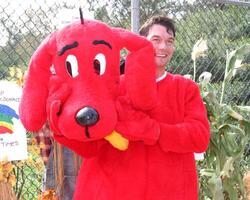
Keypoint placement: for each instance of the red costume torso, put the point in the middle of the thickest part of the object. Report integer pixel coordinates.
(163, 171)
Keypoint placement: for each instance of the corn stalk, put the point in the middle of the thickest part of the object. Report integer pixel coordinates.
(221, 171)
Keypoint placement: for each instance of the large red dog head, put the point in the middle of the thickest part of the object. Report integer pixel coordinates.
(74, 73)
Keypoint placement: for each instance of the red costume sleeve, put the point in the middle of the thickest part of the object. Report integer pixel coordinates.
(189, 135)
(135, 124)
(192, 135)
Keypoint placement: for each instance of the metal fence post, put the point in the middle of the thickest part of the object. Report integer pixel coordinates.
(135, 16)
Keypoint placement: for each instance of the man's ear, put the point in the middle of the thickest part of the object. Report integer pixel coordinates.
(32, 108)
(140, 69)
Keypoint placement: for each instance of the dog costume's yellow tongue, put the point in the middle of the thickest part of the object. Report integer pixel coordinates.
(117, 141)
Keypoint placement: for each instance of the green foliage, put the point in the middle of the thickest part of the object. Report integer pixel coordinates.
(234, 63)
(115, 13)
(223, 29)
(232, 91)
(222, 170)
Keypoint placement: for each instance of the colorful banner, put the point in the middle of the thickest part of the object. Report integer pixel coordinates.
(13, 142)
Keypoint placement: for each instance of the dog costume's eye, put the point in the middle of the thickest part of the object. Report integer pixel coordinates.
(100, 64)
(72, 65)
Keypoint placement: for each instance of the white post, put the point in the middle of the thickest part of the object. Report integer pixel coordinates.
(135, 16)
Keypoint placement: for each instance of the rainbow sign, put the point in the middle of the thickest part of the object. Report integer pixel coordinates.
(13, 141)
(6, 119)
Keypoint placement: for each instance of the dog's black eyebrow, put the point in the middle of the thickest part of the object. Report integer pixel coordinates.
(96, 42)
(67, 47)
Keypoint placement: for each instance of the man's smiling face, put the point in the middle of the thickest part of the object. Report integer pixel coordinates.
(163, 42)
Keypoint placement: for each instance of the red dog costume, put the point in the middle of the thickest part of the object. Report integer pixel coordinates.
(75, 75)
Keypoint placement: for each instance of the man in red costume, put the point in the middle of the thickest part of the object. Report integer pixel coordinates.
(159, 163)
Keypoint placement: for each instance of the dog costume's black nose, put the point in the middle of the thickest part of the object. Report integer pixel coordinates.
(87, 116)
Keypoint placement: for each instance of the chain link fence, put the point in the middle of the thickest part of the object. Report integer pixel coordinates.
(224, 24)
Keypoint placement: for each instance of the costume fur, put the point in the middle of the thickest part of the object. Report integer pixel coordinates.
(73, 81)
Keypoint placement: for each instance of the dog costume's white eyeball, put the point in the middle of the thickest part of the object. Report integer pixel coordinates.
(100, 64)
(72, 65)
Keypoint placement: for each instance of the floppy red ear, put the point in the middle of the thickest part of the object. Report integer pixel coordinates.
(140, 69)
(32, 108)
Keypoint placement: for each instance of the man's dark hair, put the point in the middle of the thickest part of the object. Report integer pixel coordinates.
(167, 22)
